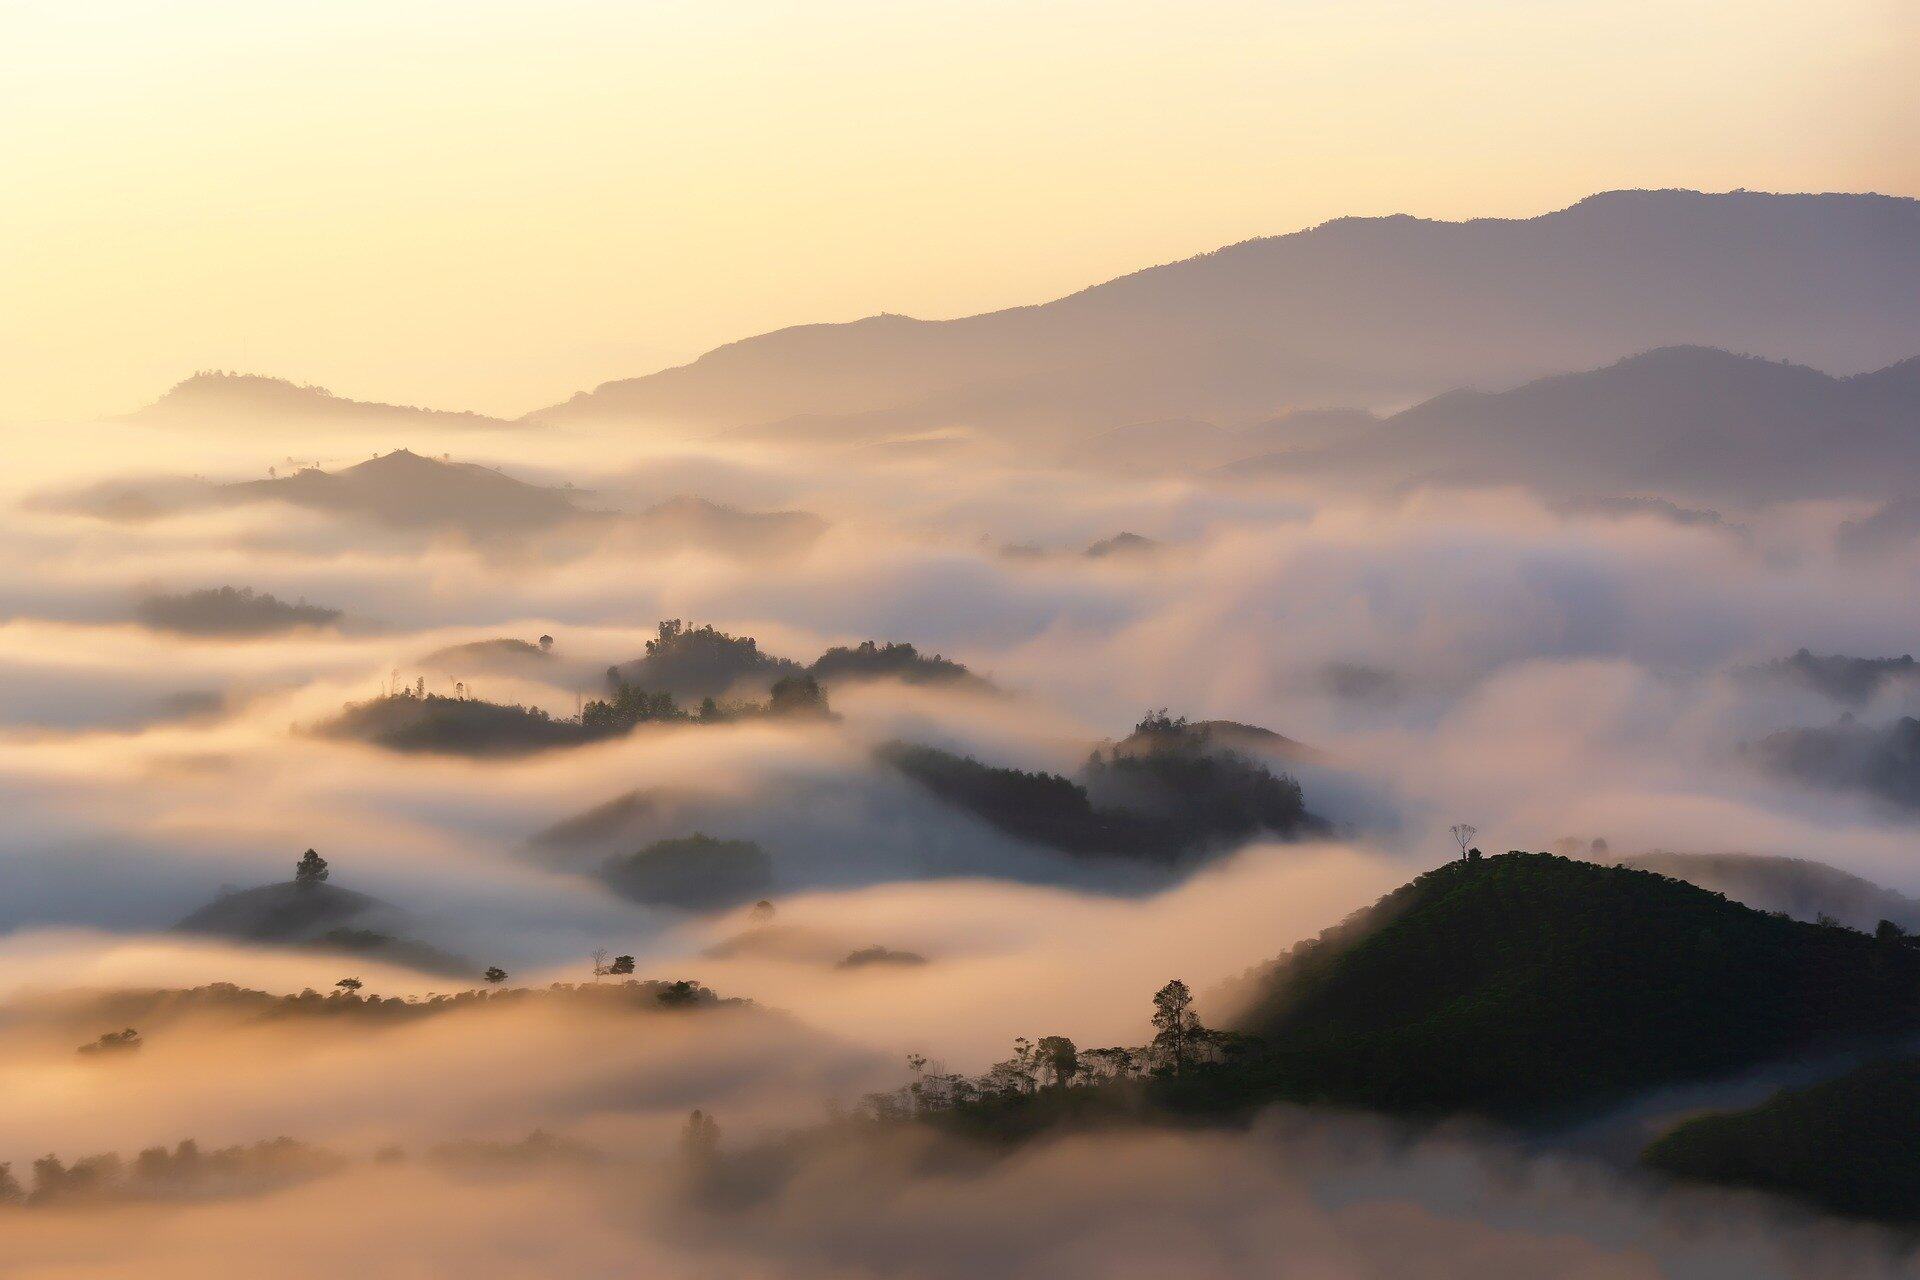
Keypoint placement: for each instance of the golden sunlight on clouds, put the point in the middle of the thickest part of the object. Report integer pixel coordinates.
(494, 205)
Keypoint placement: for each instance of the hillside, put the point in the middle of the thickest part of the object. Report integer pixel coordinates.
(322, 917)
(249, 400)
(1375, 312)
(1689, 420)
(1804, 889)
(1850, 1146)
(1529, 986)
(1879, 761)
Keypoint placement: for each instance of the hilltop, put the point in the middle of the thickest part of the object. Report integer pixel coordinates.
(403, 488)
(1531, 985)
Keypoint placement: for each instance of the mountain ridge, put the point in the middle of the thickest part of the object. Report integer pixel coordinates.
(1376, 311)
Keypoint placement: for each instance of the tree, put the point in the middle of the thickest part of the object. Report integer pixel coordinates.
(621, 964)
(10, 1190)
(599, 961)
(1059, 1060)
(349, 985)
(796, 696)
(546, 643)
(761, 913)
(1176, 1027)
(1463, 834)
(311, 870)
(496, 975)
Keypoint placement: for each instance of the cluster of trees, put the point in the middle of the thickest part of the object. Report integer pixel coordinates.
(702, 662)
(348, 1000)
(1041, 1069)
(112, 1044)
(891, 661)
(1170, 797)
(630, 706)
(159, 1173)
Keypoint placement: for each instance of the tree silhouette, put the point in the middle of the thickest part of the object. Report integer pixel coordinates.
(546, 643)
(311, 870)
(1059, 1060)
(621, 964)
(349, 985)
(496, 975)
(1176, 1027)
(1463, 834)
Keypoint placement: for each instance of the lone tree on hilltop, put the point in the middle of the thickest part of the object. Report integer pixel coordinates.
(1463, 834)
(621, 964)
(310, 870)
(349, 985)
(496, 975)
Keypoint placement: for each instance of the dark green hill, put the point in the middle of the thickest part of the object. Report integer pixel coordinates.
(1530, 986)
(1850, 1145)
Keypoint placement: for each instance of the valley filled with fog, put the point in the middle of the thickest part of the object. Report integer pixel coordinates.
(750, 746)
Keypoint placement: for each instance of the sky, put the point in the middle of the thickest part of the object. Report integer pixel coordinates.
(492, 205)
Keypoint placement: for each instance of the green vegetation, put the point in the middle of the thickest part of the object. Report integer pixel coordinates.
(693, 873)
(1851, 1145)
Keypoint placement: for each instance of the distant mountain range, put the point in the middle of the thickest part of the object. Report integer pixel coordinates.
(403, 489)
(1690, 421)
(1373, 312)
(249, 400)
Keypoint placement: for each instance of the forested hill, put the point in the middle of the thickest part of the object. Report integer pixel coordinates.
(1528, 985)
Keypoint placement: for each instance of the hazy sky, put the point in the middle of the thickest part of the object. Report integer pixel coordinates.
(491, 205)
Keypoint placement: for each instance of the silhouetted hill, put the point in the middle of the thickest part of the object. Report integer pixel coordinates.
(1529, 985)
(1801, 888)
(1163, 803)
(285, 912)
(1850, 1146)
(324, 917)
(231, 611)
(1212, 735)
(439, 725)
(248, 400)
(692, 663)
(1122, 545)
(692, 873)
(1878, 760)
(1679, 420)
(1854, 681)
(892, 661)
(402, 488)
(1358, 311)
(501, 656)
